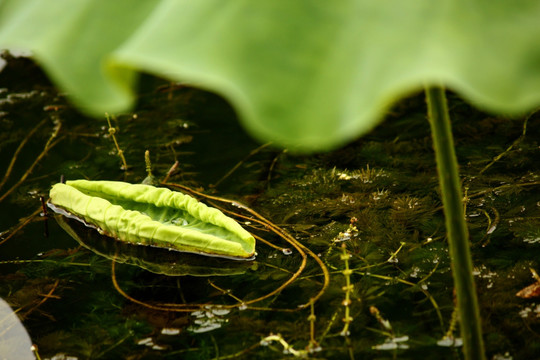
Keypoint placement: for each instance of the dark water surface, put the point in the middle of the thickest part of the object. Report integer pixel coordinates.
(76, 302)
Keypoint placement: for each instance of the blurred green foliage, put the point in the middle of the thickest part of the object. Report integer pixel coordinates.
(308, 75)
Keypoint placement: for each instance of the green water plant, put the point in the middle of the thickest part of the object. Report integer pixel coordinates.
(146, 215)
(348, 288)
(308, 75)
(120, 152)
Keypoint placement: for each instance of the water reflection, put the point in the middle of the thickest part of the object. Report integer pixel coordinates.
(158, 261)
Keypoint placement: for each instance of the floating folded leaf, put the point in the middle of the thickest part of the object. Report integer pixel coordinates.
(147, 215)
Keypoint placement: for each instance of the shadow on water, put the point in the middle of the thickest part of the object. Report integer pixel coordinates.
(372, 207)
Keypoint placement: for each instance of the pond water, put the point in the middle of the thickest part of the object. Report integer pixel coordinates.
(372, 207)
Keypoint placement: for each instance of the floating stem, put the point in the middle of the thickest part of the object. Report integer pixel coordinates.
(287, 348)
(456, 227)
(51, 142)
(17, 152)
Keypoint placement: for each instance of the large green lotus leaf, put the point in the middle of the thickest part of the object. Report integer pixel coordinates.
(72, 39)
(308, 74)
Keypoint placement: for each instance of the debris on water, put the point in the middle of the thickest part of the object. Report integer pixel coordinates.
(145, 341)
(533, 308)
(207, 320)
(532, 290)
(286, 251)
(170, 331)
(393, 343)
(343, 236)
(220, 312)
(415, 271)
(449, 341)
(531, 239)
(505, 356)
(263, 342)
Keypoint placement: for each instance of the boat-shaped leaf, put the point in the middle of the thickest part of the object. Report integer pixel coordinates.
(147, 215)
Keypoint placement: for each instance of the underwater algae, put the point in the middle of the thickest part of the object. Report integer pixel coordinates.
(146, 215)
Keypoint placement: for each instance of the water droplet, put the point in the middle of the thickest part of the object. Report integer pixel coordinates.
(179, 222)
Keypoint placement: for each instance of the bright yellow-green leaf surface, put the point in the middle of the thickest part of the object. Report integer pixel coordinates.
(147, 215)
(307, 74)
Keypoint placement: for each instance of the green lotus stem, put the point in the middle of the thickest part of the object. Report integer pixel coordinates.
(458, 239)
